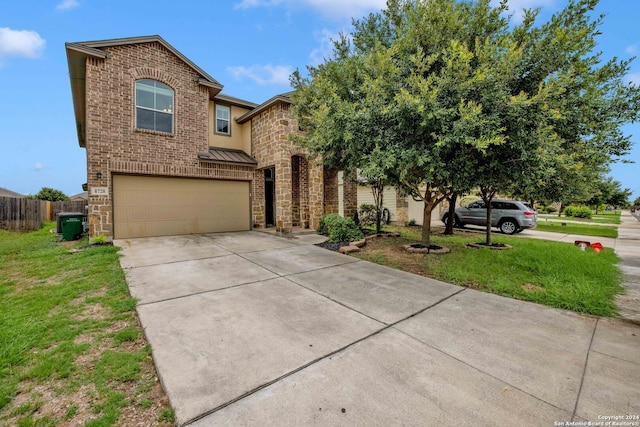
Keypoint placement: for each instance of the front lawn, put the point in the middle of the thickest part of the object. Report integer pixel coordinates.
(551, 273)
(71, 349)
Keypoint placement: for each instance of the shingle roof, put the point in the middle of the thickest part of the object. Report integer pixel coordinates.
(283, 97)
(77, 54)
(227, 155)
(8, 193)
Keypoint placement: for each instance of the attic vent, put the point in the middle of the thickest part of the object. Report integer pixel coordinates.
(285, 107)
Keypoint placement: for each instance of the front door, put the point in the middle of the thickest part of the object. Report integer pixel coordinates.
(269, 196)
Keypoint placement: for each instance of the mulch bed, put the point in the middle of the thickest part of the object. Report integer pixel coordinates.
(332, 246)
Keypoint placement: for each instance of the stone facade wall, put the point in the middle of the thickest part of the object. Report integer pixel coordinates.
(270, 132)
(113, 143)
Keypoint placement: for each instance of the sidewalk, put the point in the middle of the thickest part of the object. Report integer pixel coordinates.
(628, 249)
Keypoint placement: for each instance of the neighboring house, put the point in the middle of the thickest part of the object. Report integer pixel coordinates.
(80, 197)
(168, 153)
(8, 193)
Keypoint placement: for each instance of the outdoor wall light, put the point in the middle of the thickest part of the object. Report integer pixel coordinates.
(99, 175)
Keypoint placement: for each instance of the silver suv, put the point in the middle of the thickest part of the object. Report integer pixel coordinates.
(510, 216)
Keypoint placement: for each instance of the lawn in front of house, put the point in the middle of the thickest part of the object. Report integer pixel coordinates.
(71, 348)
(550, 273)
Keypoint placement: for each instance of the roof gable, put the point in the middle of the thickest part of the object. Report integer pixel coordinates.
(78, 52)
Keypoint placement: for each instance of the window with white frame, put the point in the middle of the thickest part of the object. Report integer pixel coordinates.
(154, 106)
(223, 119)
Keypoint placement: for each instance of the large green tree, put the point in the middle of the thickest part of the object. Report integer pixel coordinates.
(404, 95)
(590, 100)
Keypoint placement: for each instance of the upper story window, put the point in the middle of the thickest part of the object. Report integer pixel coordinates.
(223, 119)
(154, 106)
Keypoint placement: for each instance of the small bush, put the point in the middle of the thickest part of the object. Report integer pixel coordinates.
(412, 222)
(577, 211)
(322, 226)
(582, 212)
(339, 229)
(550, 209)
(367, 215)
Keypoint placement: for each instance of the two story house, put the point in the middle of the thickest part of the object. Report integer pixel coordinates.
(169, 153)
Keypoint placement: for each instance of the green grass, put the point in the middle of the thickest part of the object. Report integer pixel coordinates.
(550, 273)
(56, 311)
(577, 228)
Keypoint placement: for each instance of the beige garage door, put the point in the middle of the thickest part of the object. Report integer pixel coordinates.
(152, 206)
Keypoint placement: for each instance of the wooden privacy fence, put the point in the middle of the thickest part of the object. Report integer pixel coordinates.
(28, 214)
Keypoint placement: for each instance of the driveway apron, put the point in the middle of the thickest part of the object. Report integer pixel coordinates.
(251, 329)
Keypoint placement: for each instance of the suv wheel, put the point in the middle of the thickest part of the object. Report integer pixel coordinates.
(456, 221)
(509, 226)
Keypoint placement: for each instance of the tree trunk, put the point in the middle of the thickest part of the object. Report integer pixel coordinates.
(561, 209)
(451, 214)
(426, 225)
(378, 193)
(488, 231)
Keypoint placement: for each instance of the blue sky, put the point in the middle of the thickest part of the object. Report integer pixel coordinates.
(250, 46)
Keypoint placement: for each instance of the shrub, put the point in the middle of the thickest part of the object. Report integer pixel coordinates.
(339, 229)
(356, 219)
(412, 222)
(582, 212)
(367, 214)
(578, 211)
(550, 209)
(322, 226)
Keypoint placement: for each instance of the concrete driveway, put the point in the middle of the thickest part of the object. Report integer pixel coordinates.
(251, 329)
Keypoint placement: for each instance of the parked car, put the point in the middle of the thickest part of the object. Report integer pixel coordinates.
(510, 216)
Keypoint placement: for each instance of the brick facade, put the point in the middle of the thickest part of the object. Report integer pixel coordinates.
(350, 196)
(113, 143)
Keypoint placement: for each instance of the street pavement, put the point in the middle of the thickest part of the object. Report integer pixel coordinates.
(252, 329)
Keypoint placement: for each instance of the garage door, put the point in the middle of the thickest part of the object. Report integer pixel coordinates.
(152, 206)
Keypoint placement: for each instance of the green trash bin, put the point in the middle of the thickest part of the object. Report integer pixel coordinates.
(71, 224)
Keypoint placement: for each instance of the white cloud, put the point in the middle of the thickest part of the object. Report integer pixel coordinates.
(631, 49)
(67, 4)
(38, 166)
(331, 8)
(633, 78)
(23, 43)
(516, 7)
(325, 46)
(263, 74)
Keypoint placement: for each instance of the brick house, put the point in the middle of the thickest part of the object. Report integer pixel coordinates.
(168, 153)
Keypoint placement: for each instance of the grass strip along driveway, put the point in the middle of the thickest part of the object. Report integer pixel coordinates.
(71, 348)
(550, 273)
